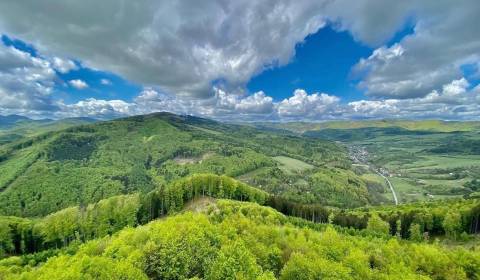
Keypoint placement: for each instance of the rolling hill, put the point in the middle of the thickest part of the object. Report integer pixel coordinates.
(86, 163)
(411, 125)
(14, 127)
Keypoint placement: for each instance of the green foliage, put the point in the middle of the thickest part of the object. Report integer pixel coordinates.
(340, 188)
(6, 242)
(86, 267)
(434, 218)
(172, 198)
(78, 224)
(71, 147)
(301, 267)
(234, 261)
(61, 228)
(229, 241)
(452, 223)
(474, 185)
(377, 226)
(416, 232)
(113, 177)
(458, 145)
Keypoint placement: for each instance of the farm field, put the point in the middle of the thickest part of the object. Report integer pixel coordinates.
(421, 164)
(424, 176)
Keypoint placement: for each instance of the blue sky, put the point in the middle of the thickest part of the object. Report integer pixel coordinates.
(321, 64)
(319, 61)
(114, 86)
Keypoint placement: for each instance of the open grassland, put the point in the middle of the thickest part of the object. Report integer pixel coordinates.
(291, 165)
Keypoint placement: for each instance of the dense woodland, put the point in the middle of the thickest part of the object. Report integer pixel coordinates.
(81, 223)
(234, 240)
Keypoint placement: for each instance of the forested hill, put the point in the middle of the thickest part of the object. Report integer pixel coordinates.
(86, 163)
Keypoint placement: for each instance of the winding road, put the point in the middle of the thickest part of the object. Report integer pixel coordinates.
(389, 185)
(354, 152)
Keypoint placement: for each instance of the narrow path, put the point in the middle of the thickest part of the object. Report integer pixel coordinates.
(389, 185)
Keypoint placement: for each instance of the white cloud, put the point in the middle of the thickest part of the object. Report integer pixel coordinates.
(26, 82)
(445, 37)
(456, 87)
(97, 108)
(105, 82)
(178, 50)
(454, 101)
(179, 46)
(302, 105)
(221, 105)
(371, 21)
(258, 103)
(63, 65)
(78, 84)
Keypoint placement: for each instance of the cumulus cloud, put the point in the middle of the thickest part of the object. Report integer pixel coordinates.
(258, 103)
(302, 105)
(97, 108)
(445, 37)
(25, 81)
(63, 65)
(454, 101)
(180, 46)
(220, 106)
(78, 84)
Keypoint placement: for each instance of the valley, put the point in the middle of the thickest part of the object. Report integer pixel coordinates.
(436, 163)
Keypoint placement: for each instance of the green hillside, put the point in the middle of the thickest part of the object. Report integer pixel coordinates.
(86, 163)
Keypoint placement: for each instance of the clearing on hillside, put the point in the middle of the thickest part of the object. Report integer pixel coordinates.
(291, 165)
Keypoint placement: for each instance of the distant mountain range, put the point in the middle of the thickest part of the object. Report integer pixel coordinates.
(15, 127)
(411, 125)
(12, 121)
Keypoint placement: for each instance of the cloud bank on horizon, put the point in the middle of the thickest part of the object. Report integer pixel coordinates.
(197, 58)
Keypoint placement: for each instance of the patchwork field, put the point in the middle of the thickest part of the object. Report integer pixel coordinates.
(421, 164)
